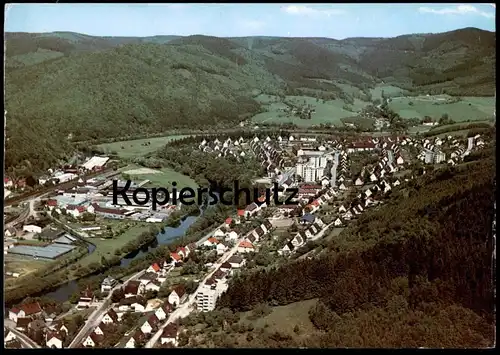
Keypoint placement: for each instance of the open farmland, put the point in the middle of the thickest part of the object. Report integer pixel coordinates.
(164, 178)
(474, 108)
(328, 112)
(138, 147)
(389, 91)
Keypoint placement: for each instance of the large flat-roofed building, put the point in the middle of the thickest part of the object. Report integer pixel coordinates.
(51, 251)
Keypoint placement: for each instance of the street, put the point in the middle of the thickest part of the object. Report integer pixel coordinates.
(185, 309)
(96, 316)
(24, 339)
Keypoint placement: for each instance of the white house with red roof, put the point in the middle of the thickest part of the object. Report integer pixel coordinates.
(211, 242)
(245, 247)
(154, 268)
(176, 258)
(26, 310)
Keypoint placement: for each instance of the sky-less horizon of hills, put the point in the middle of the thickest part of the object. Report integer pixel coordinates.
(65, 83)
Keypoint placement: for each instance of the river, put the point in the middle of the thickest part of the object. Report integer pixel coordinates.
(64, 292)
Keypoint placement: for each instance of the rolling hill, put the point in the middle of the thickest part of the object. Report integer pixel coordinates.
(61, 84)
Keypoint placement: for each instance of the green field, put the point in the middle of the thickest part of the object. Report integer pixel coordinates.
(107, 247)
(476, 108)
(135, 148)
(23, 265)
(389, 91)
(285, 318)
(164, 178)
(329, 112)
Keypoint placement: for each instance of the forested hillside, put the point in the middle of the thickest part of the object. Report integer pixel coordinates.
(417, 272)
(87, 87)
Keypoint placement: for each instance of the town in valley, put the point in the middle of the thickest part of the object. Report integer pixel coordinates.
(391, 236)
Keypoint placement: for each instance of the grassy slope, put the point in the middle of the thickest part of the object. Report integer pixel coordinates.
(135, 148)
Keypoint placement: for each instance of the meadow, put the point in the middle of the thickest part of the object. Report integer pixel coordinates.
(328, 112)
(136, 148)
(469, 108)
(164, 177)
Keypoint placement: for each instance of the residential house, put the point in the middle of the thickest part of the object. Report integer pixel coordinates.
(125, 304)
(133, 288)
(258, 233)
(182, 252)
(267, 226)
(221, 248)
(23, 323)
(177, 296)
(358, 182)
(287, 249)
(137, 338)
(338, 222)
(60, 327)
(228, 222)
(92, 340)
(298, 240)
(169, 334)
(163, 311)
(29, 310)
(13, 344)
(147, 278)
(153, 286)
(110, 317)
(176, 258)
(251, 209)
(211, 242)
(231, 236)
(150, 324)
(245, 247)
(155, 268)
(10, 232)
(30, 228)
(140, 304)
(86, 298)
(225, 267)
(54, 340)
(108, 284)
(100, 329)
(8, 335)
(236, 261)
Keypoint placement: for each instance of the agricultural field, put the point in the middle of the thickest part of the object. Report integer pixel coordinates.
(161, 178)
(389, 91)
(328, 112)
(137, 148)
(469, 108)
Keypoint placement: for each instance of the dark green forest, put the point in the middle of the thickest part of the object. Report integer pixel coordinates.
(416, 272)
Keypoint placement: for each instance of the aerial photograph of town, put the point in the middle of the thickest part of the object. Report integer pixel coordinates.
(249, 176)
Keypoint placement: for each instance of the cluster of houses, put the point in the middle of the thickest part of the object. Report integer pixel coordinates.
(39, 324)
(134, 300)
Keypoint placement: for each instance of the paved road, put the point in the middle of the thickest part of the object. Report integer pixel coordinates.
(185, 309)
(23, 338)
(95, 318)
